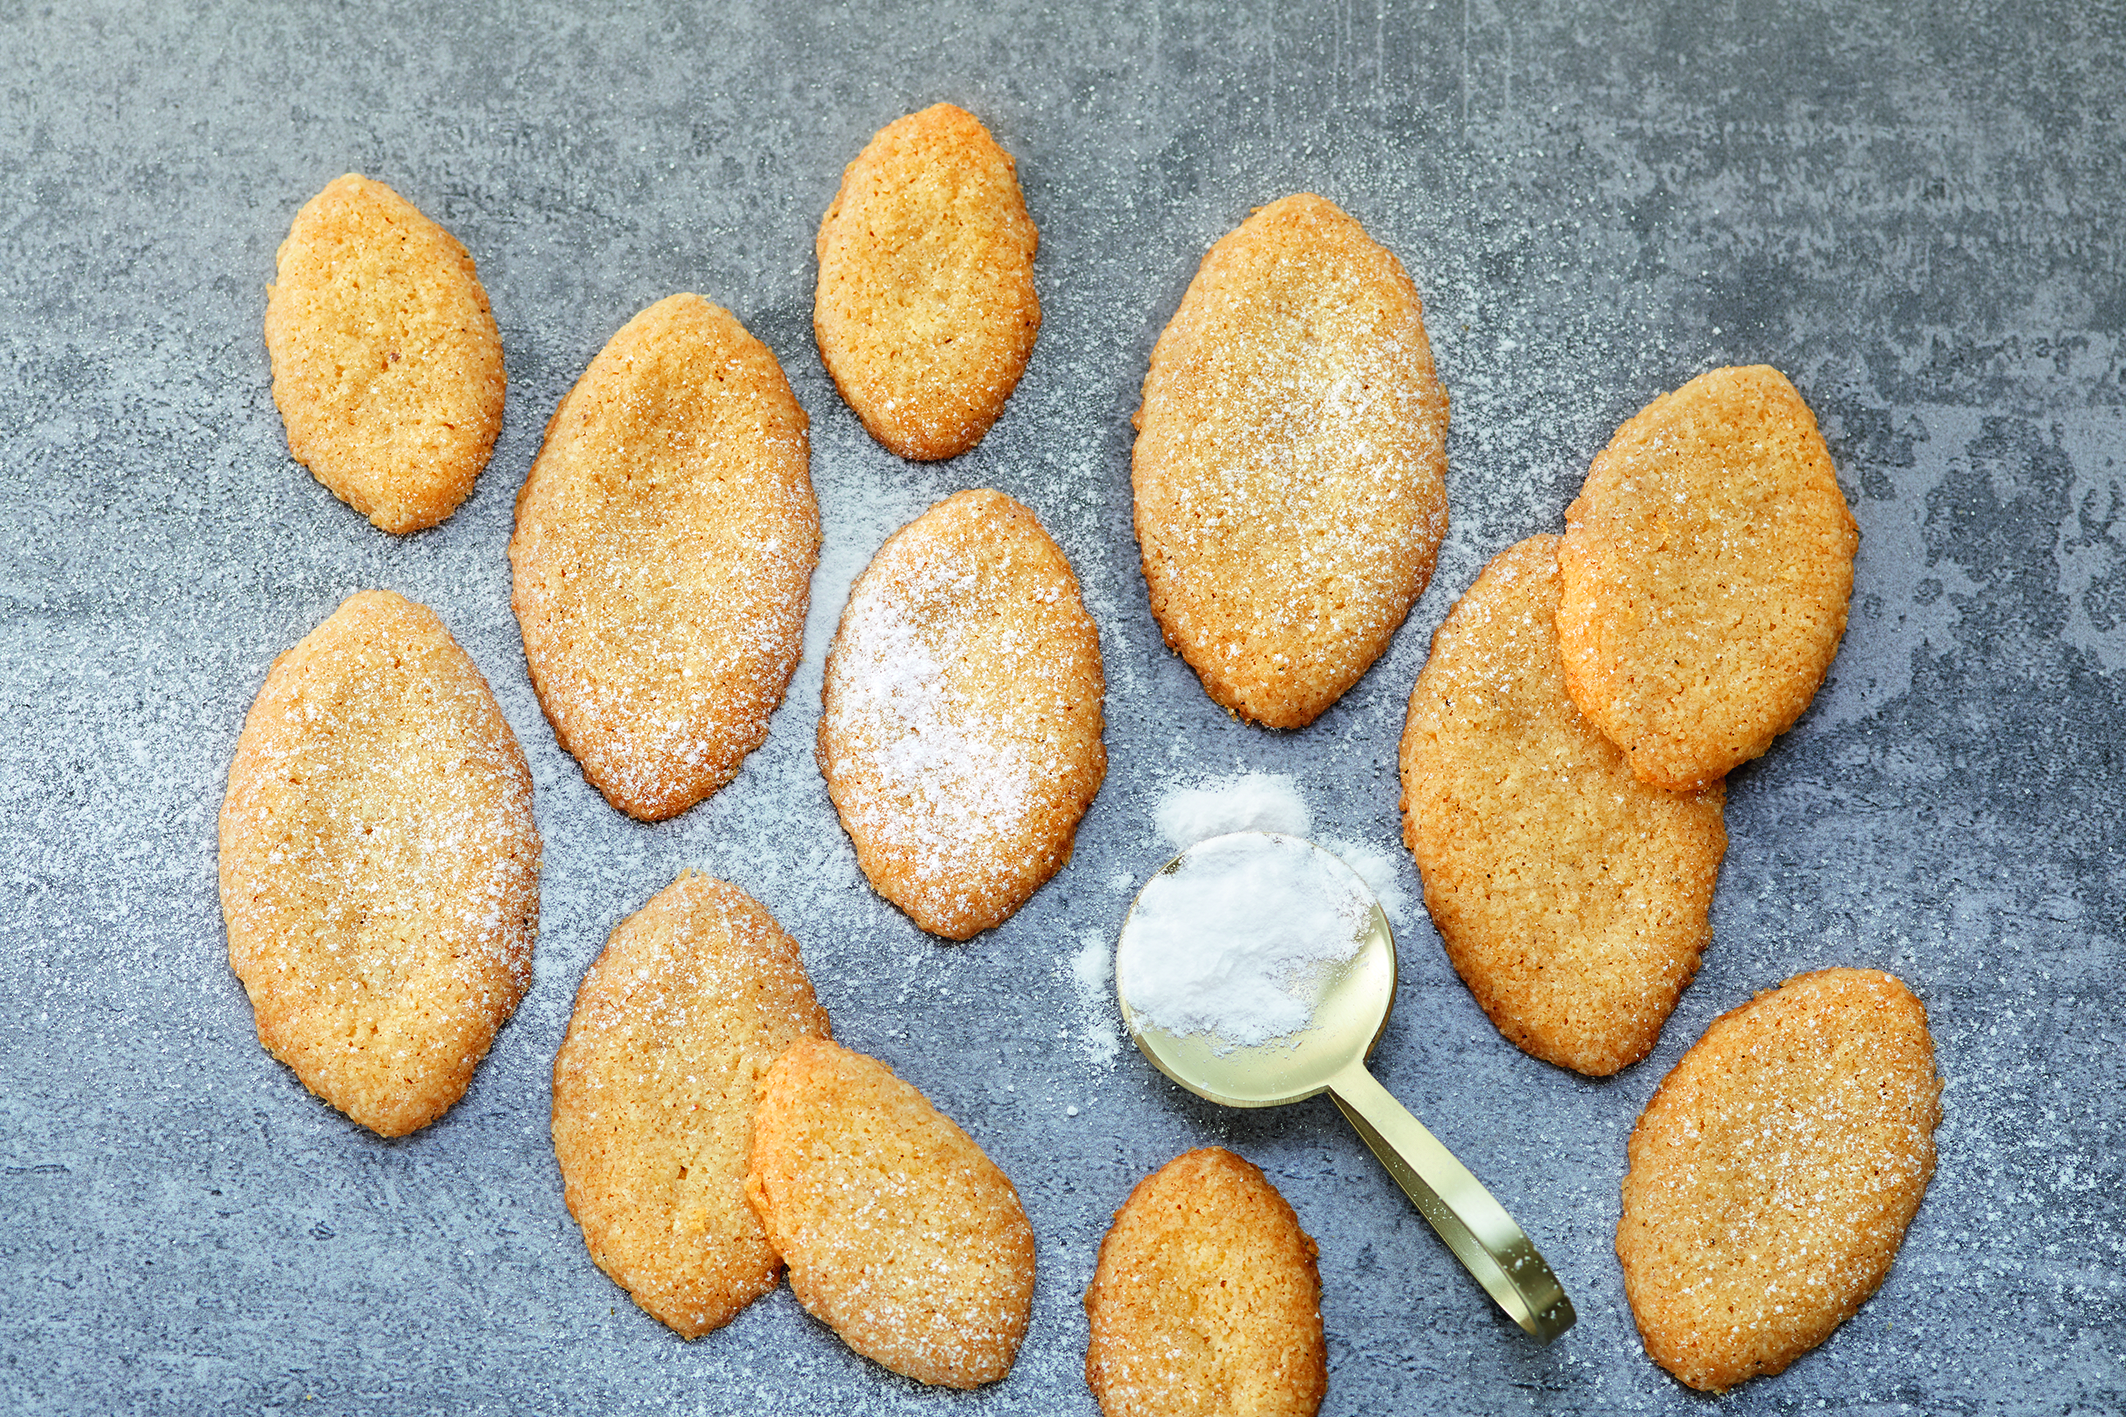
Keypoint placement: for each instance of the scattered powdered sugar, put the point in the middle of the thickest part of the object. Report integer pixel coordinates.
(1090, 970)
(1092, 966)
(1230, 942)
(1380, 871)
(1245, 802)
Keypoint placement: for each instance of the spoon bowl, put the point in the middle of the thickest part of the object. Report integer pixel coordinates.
(1346, 1003)
(1351, 1002)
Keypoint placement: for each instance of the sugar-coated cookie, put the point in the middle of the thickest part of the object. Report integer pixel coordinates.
(899, 1233)
(1707, 563)
(379, 863)
(1206, 1300)
(926, 312)
(1774, 1173)
(677, 1022)
(663, 556)
(960, 736)
(1573, 898)
(387, 365)
(1290, 464)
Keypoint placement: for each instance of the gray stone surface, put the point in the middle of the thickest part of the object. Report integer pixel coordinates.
(1912, 214)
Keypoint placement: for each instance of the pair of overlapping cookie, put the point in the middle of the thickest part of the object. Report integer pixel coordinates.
(709, 1134)
(1564, 758)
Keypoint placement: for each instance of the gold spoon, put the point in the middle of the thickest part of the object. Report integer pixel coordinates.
(1350, 1007)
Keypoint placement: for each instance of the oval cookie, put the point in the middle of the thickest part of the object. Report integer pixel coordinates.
(1572, 898)
(900, 1234)
(1206, 1299)
(663, 556)
(379, 863)
(1290, 464)
(1707, 563)
(926, 312)
(1774, 1173)
(692, 999)
(960, 736)
(387, 366)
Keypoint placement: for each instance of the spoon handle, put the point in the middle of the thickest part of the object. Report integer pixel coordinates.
(1476, 1227)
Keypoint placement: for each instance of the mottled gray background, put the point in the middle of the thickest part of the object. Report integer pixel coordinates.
(1914, 216)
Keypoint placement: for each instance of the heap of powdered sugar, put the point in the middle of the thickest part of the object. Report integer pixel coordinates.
(1232, 940)
(1272, 802)
(1246, 802)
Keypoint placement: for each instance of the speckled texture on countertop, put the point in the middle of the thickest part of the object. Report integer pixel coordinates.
(1913, 214)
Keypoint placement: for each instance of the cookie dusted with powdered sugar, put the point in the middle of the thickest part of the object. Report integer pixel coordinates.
(926, 312)
(899, 1233)
(663, 556)
(387, 366)
(379, 863)
(1774, 1174)
(1707, 565)
(960, 736)
(1206, 1299)
(1573, 899)
(1290, 464)
(676, 1023)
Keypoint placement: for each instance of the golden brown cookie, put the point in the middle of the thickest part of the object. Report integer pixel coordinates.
(1774, 1173)
(900, 1234)
(663, 557)
(1290, 464)
(387, 365)
(1206, 1301)
(1707, 564)
(379, 863)
(960, 736)
(926, 312)
(677, 1022)
(1572, 897)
